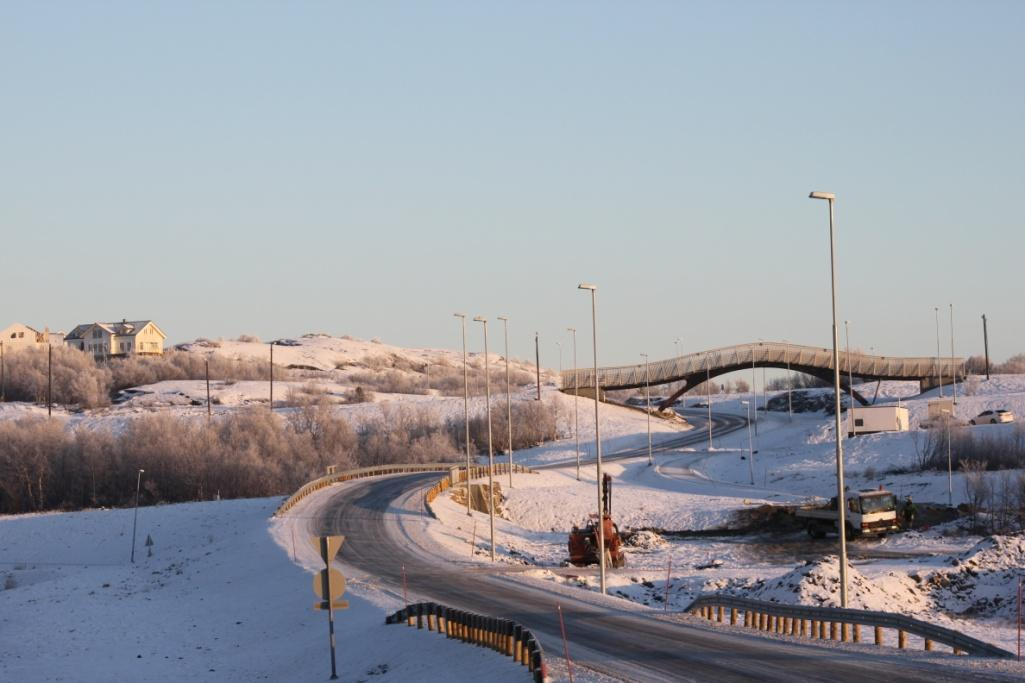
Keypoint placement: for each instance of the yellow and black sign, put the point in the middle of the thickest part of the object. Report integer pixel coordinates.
(328, 583)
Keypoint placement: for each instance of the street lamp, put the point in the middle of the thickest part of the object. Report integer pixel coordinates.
(950, 467)
(750, 443)
(647, 402)
(597, 433)
(466, 410)
(135, 519)
(708, 396)
(953, 370)
(508, 394)
(850, 378)
(491, 450)
(790, 383)
(840, 498)
(939, 373)
(576, 397)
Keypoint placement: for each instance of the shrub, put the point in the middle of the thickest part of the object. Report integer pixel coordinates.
(248, 338)
(77, 379)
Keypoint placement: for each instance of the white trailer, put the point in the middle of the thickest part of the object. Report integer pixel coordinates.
(872, 419)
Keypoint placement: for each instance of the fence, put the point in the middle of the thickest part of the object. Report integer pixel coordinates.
(831, 623)
(502, 635)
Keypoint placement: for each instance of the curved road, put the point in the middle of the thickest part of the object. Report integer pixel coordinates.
(380, 520)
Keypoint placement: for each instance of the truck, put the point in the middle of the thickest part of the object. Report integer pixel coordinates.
(869, 513)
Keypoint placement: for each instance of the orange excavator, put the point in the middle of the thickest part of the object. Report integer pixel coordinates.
(583, 542)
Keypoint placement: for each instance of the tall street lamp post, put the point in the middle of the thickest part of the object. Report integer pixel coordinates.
(508, 395)
(576, 397)
(597, 433)
(708, 396)
(841, 499)
(953, 371)
(939, 372)
(850, 378)
(491, 449)
(750, 444)
(135, 518)
(948, 417)
(790, 384)
(647, 406)
(466, 409)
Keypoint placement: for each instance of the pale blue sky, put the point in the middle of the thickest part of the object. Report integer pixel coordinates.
(369, 168)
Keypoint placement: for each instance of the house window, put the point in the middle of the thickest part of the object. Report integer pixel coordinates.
(21, 335)
(858, 422)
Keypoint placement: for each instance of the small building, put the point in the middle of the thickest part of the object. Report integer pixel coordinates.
(873, 419)
(19, 336)
(126, 338)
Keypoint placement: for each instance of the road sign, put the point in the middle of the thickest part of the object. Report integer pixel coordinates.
(334, 543)
(335, 580)
(329, 584)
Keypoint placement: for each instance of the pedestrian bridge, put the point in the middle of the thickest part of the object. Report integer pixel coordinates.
(694, 368)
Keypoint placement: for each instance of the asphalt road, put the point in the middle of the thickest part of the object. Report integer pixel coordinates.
(619, 642)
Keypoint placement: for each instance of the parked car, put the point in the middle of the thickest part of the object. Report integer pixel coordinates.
(992, 417)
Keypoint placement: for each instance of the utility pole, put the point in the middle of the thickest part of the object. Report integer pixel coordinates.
(272, 377)
(3, 374)
(537, 362)
(985, 342)
(850, 377)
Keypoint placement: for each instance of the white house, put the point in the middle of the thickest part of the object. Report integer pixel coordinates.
(126, 338)
(19, 336)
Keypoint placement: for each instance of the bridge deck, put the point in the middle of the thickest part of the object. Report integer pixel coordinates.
(695, 367)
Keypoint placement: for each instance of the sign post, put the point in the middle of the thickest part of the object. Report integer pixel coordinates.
(329, 585)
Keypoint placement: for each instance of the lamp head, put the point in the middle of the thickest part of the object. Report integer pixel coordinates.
(503, 317)
(571, 329)
(480, 319)
(460, 315)
(587, 285)
(822, 195)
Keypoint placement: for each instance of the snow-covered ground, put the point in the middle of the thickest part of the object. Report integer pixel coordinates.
(218, 600)
(942, 574)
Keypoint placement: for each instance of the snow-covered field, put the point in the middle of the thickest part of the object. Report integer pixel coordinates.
(941, 574)
(218, 600)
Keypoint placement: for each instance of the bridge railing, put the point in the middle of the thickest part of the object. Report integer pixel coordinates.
(833, 623)
(778, 353)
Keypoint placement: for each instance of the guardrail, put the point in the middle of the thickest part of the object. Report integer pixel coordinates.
(502, 635)
(360, 473)
(458, 476)
(833, 623)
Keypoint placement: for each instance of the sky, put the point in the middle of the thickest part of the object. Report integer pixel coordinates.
(371, 168)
